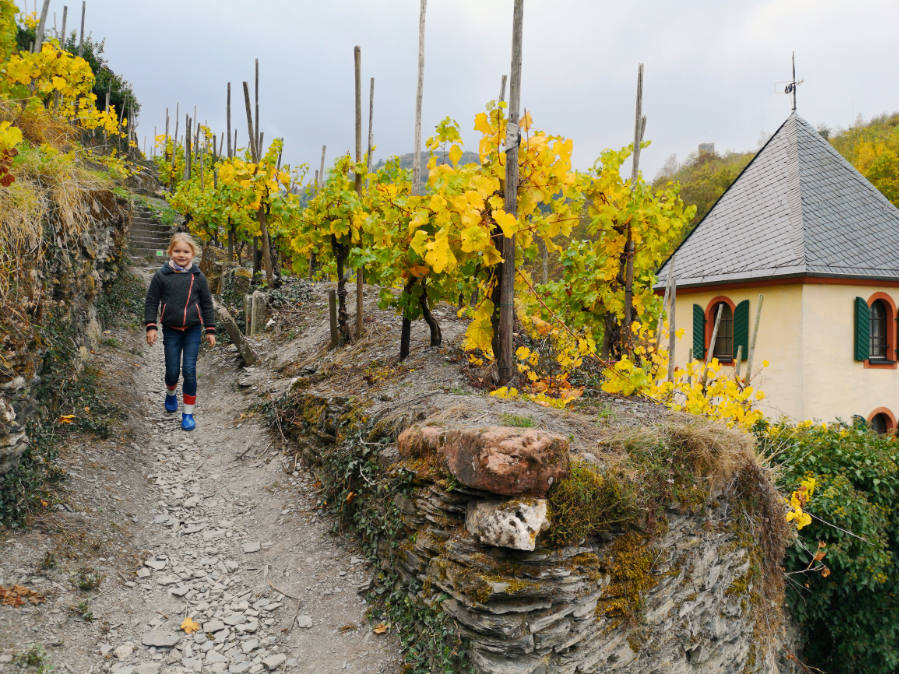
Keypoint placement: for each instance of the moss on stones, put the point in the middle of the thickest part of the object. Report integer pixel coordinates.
(630, 565)
(586, 503)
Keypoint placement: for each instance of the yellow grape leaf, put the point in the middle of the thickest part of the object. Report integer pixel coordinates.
(455, 153)
(482, 124)
(419, 270)
(492, 256)
(437, 203)
(419, 242)
(189, 626)
(420, 218)
(474, 239)
(506, 222)
(439, 255)
(10, 136)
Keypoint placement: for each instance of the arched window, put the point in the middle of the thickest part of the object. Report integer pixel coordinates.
(882, 421)
(724, 342)
(732, 337)
(875, 331)
(879, 313)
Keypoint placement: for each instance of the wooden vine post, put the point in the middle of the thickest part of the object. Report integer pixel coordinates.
(260, 214)
(406, 330)
(41, 26)
(165, 147)
(175, 145)
(711, 351)
(672, 330)
(360, 272)
(319, 184)
(639, 129)
(187, 151)
(232, 234)
(416, 142)
(505, 361)
(755, 334)
(371, 112)
(81, 34)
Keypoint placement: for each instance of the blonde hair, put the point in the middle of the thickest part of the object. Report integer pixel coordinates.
(183, 237)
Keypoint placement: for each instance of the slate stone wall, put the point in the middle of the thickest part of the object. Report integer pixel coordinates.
(73, 264)
(568, 610)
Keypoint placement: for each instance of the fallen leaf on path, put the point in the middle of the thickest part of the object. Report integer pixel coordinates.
(17, 595)
(380, 628)
(66, 418)
(189, 626)
(348, 627)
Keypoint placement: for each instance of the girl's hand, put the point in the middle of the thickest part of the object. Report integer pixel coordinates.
(152, 335)
(210, 338)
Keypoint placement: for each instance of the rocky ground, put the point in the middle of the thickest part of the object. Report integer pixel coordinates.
(155, 526)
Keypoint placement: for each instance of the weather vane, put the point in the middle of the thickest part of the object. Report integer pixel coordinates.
(793, 84)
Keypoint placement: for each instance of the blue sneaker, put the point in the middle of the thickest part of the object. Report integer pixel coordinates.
(171, 403)
(187, 422)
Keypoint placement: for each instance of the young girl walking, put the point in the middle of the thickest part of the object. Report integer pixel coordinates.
(181, 288)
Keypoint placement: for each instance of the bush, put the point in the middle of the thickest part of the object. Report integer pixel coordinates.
(850, 616)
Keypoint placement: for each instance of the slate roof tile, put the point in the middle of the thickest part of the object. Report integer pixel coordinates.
(798, 208)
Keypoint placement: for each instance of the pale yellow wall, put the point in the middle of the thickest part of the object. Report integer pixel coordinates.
(779, 342)
(806, 333)
(835, 384)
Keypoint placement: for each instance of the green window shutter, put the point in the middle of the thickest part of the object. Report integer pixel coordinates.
(698, 332)
(741, 329)
(862, 329)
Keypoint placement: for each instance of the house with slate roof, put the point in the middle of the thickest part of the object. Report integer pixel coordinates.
(803, 228)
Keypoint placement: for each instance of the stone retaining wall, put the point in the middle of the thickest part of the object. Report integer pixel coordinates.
(75, 264)
(569, 609)
(687, 589)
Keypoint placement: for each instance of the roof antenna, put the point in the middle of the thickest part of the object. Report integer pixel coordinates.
(793, 84)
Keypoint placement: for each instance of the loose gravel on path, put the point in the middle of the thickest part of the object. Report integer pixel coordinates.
(207, 525)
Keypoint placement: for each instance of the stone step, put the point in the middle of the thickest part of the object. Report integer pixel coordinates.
(155, 233)
(154, 241)
(150, 224)
(156, 229)
(144, 227)
(148, 253)
(148, 245)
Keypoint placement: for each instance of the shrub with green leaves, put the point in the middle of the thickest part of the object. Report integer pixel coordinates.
(849, 615)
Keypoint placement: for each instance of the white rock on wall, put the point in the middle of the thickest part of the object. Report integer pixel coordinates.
(512, 523)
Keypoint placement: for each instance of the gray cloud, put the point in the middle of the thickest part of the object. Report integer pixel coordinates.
(712, 68)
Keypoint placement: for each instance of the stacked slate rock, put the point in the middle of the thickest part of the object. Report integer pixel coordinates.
(524, 608)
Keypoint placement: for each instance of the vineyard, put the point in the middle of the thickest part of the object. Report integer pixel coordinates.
(552, 274)
(444, 244)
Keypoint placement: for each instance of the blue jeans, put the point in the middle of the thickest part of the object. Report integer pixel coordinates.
(181, 350)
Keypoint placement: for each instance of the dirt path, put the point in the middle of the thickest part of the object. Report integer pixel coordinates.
(208, 525)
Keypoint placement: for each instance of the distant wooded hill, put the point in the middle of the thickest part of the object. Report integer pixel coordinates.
(872, 147)
(468, 157)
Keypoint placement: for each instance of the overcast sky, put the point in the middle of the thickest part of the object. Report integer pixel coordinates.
(715, 70)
